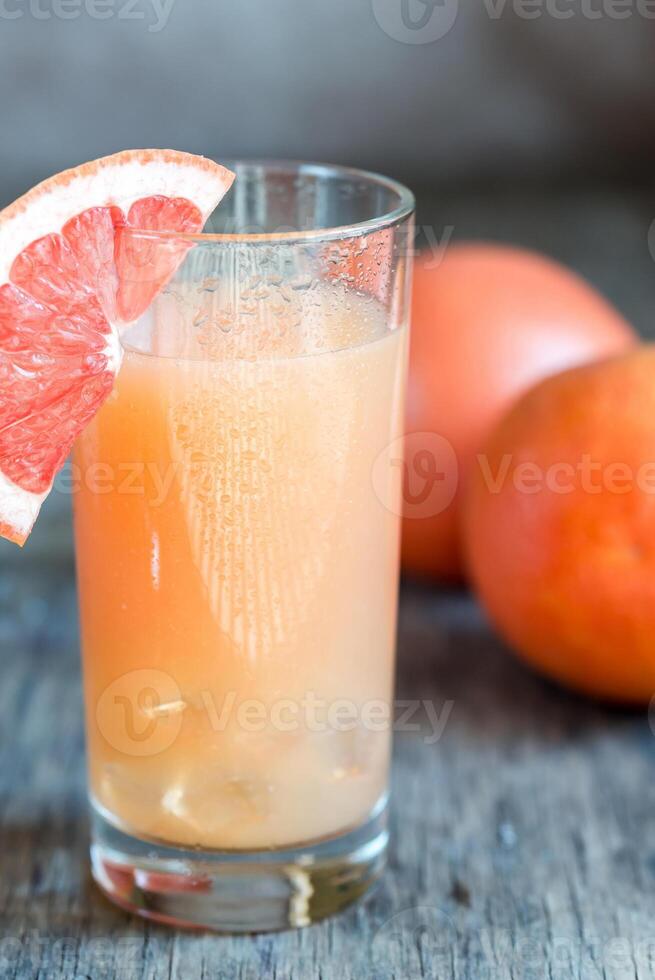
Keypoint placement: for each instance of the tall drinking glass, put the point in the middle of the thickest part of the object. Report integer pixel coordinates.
(237, 527)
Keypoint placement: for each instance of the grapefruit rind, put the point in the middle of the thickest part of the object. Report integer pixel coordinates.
(119, 180)
(18, 510)
(143, 173)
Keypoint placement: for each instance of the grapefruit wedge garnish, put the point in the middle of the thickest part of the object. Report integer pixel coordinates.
(65, 286)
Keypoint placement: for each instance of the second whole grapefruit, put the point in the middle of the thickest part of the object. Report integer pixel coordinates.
(560, 527)
(488, 322)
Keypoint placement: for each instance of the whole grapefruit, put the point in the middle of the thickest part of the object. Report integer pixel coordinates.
(559, 524)
(488, 321)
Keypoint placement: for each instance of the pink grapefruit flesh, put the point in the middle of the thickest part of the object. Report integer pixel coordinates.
(65, 285)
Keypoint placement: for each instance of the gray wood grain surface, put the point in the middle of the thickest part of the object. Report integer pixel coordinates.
(523, 838)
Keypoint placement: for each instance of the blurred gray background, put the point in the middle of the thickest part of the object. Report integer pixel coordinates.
(527, 121)
(495, 90)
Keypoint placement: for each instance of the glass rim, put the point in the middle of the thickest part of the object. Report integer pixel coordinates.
(404, 208)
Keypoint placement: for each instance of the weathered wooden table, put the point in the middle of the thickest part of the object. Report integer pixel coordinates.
(523, 838)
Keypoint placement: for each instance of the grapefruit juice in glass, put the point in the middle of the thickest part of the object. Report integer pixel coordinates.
(237, 528)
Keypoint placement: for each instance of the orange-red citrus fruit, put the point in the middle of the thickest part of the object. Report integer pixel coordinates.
(488, 322)
(560, 527)
(64, 287)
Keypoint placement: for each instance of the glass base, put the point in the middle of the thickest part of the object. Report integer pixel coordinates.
(238, 891)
